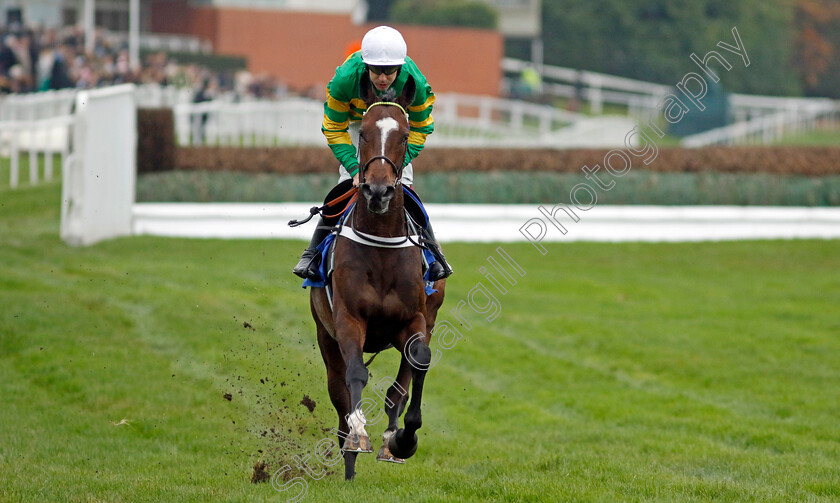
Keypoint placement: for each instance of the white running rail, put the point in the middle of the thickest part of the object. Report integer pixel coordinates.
(766, 129)
(757, 118)
(460, 121)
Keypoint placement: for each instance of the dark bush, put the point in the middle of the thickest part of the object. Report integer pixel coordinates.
(469, 13)
(155, 140)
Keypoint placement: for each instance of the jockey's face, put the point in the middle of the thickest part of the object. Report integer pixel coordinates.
(381, 79)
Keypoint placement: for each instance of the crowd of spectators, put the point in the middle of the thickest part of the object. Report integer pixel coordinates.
(39, 59)
(35, 59)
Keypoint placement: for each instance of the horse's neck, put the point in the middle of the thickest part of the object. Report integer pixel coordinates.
(391, 224)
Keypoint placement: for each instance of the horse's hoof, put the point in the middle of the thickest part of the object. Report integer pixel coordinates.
(385, 453)
(355, 443)
(394, 445)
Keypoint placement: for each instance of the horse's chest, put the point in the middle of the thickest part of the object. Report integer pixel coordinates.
(393, 303)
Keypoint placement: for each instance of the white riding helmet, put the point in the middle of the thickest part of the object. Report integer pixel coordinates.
(383, 46)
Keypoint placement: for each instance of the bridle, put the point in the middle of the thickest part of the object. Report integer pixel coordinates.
(316, 210)
(406, 239)
(397, 169)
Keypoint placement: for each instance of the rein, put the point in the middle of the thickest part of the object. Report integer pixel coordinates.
(315, 210)
(354, 193)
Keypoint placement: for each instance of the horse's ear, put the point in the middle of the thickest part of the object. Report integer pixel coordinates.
(406, 98)
(366, 89)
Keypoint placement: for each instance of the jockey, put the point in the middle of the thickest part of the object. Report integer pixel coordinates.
(383, 56)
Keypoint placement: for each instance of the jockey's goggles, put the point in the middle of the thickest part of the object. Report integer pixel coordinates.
(387, 70)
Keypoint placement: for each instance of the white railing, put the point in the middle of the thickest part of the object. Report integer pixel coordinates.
(460, 120)
(252, 123)
(34, 106)
(644, 99)
(43, 105)
(768, 128)
(496, 115)
(155, 96)
(163, 42)
(39, 125)
(41, 138)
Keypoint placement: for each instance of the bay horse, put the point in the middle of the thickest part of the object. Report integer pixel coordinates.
(379, 300)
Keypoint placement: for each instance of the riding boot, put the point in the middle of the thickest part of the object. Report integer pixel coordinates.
(310, 261)
(440, 268)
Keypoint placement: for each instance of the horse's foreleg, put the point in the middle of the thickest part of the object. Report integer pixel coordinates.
(356, 377)
(396, 398)
(339, 396)
(403, 444)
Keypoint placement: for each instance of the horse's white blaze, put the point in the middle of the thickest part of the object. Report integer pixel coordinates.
(386, 125)
(356, 420)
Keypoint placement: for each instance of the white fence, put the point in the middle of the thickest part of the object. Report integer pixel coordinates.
(507, 222)
(27, 107)
(642, 98)
(41, 138)
(460, 121)
(761, 119)
(163, 42)
(97, 190)
(38, 125)
(765, 129)
(252, 123)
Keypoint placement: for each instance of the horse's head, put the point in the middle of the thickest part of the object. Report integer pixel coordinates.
(383, 143)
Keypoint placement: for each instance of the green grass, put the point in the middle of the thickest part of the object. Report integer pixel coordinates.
(613, 372)
(23, 170)
(826, 137)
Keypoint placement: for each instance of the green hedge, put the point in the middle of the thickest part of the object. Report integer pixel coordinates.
(468, 13)
(638, 187)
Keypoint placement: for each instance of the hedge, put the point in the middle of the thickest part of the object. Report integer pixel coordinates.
(638, 187)
(809, 161)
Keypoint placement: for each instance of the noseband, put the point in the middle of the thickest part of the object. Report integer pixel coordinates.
(397, 169)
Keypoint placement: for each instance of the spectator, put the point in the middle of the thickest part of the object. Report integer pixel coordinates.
(206, 92)
(41, 59)
(60, 72)
(7, 54)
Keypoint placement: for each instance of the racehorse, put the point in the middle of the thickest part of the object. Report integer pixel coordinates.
(379, 298)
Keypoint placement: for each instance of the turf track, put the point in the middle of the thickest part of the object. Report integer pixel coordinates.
(612, 372)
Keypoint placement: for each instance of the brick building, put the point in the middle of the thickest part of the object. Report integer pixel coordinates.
(299, 42)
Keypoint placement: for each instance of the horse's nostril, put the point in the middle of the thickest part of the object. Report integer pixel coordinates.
(377, 191)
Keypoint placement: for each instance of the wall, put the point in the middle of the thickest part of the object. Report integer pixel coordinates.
(302, 49)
